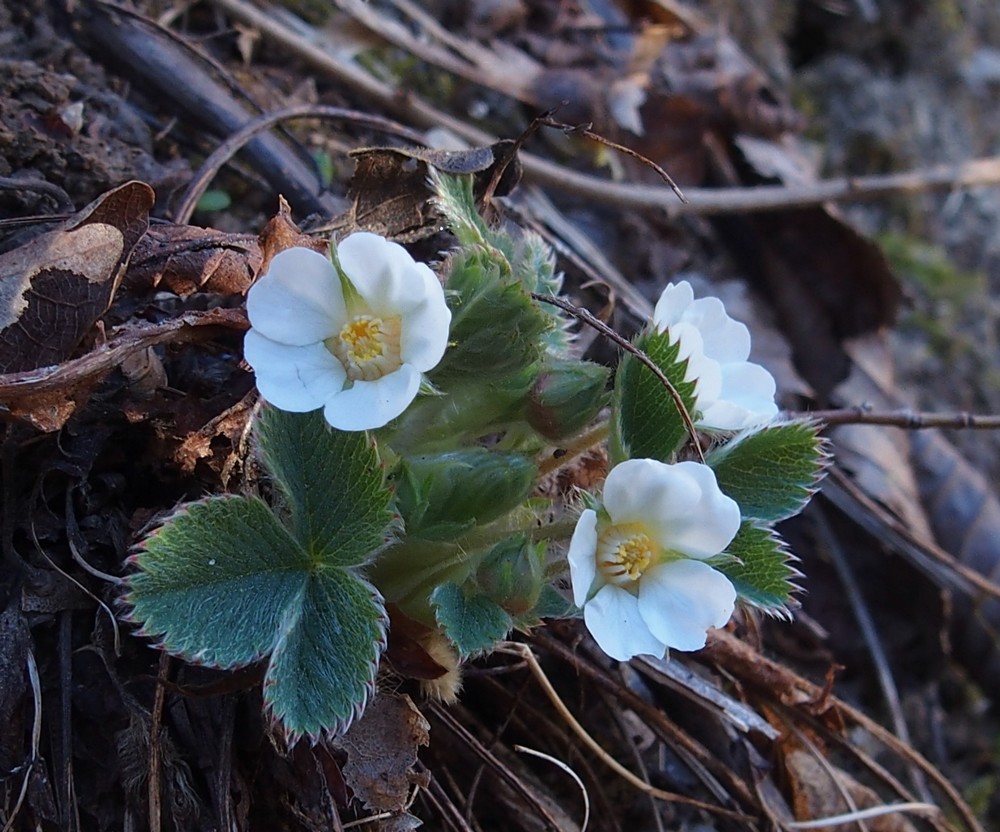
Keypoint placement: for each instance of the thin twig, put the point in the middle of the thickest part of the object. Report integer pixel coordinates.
(902, 418)
(840, 490)
(153, 786)
(869, 632)
(585, 316)
(231, 146)
(36, 738)
(864, 814)
(754, 668)
(524, 652)
(703, 201)
(576, 779)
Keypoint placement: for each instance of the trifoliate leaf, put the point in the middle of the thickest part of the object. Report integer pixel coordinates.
(496, 328)
(473, 623)
(323, 668)
(762, 572)
(333, 483)
(223, 583)
(771, 472)
(646, 422)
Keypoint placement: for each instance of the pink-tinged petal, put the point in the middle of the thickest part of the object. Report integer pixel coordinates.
(725, 340)
(371, 404)
(703, 522)
(747, 398)
(673, 302)
(614, 620)
(680, 601)
(426, 326)
(298, 379)
(582, 556)
(389, 281)
(299, 300)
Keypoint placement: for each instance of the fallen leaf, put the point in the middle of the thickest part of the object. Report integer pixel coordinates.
(55, 287)
(382, 752)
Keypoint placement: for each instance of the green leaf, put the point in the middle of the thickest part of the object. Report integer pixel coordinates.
(646, 423)
(474, 623)
(457, 202)
(551, 604)
(772, 472)
(496, 328)
(762, 572)
(223, 583)
(323, 668)
(333, 484)
(217, 581)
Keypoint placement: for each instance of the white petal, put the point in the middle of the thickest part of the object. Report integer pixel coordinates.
(673, 302)
(425, 326)
(298, 379)
(641, 490)
(614, 620)
(747, 398)
(299, 301)
(371, 404)
(725, 339)
(679, 601)
(387, 278)
(704, 522)
(582, 556)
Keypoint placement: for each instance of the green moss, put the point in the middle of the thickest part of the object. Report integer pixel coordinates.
(929, 268)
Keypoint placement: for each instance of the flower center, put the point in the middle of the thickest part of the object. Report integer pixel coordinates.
(624, 553)
(368, 347)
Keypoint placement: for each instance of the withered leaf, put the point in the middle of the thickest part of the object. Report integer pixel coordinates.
(389, 191)
(186, 259)
(382, 750)
(53, 288)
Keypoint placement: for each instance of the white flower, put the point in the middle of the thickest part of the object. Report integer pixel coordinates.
(359, 351)
(637, 567)
(732, 393)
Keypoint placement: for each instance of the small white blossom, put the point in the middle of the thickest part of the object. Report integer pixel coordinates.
(731, 392)
(637, 566)
(360, 353)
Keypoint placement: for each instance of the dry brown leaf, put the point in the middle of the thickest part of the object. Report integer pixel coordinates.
(819, 790)
(382, 751)
(964, 513)
(187, 259)
(55, 287)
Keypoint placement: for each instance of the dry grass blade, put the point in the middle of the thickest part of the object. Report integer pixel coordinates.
(524, 652)
(575, 777)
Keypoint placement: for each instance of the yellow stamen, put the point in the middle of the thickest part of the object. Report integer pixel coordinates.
(368, 347)
(624, 553)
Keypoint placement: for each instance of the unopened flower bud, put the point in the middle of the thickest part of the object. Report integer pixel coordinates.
(512, 574)
(474, 485)
(566, 395)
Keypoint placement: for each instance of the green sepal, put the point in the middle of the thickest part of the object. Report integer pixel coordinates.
(223, 583)
(646, 422)
(332, 483)
(473, 622)
(459, 488)
(496, 328)
(771, 472)
(762, 571)
(551, 604)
